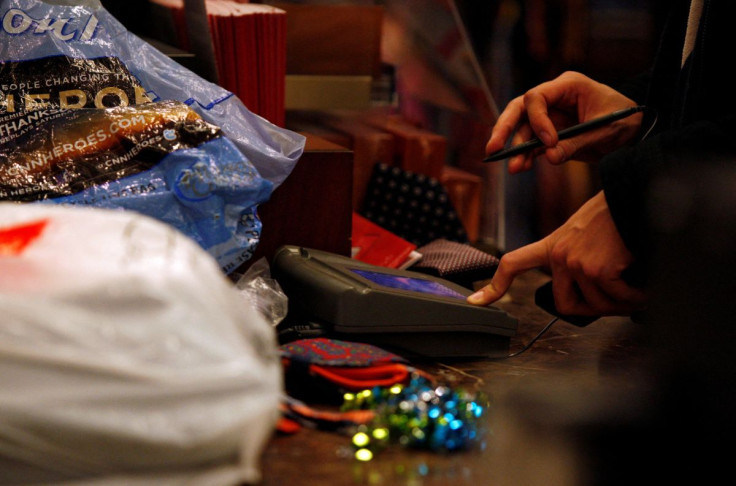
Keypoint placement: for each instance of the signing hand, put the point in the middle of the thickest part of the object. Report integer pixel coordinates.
(568, 99)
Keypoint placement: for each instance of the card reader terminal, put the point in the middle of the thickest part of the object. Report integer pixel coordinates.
(411, 313)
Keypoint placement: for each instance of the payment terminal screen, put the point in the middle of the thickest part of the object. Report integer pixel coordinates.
(408, 283)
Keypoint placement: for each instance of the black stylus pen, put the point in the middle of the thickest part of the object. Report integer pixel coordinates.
(565, 133)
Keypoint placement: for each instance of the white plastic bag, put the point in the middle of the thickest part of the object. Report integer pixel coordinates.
(126, 356)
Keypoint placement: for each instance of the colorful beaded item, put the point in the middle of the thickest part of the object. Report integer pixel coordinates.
(416, 415)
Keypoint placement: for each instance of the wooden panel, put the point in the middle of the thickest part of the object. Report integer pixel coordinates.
(313, 206)
(417, 150)
(370, 145)
(465, 191)
(321, 92)
(333, 39)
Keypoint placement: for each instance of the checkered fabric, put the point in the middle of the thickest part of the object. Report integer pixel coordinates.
(458, 262)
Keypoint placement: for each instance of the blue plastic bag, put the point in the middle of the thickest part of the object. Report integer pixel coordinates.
(70, 73)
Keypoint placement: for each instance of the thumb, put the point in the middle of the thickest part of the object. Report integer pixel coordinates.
(511, 265)
(560, 153)
(575, 148)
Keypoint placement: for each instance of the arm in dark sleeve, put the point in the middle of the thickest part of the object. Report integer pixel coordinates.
(627, 174)
(636, 87)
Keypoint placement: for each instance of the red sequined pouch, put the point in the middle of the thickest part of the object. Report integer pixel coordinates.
(323, 369)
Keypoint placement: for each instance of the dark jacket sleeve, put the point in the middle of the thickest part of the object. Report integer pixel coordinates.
(627, 174)
(696, 117)
(636, 87)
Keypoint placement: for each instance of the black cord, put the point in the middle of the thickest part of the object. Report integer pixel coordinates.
(530, 343)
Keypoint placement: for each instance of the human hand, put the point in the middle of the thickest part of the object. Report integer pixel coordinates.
(586, 258)
(569, 99)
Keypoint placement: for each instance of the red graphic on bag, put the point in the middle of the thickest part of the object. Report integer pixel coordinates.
(14, 240)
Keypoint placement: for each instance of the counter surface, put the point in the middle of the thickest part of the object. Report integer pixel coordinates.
(566, 369)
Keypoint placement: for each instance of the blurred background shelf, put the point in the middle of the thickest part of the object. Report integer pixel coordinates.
(443, 67)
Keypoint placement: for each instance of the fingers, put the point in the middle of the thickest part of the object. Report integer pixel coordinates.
(562, 102)
(510, 126)
(537, 111)
(586, 293)
(574, 293)
(561, 95)
(525, 161)
(556, 155)
(586, 298)
(524, 118)
(511, 265)
(579, 298)
(506, 125)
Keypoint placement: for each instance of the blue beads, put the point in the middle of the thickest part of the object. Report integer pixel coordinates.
(418, 415)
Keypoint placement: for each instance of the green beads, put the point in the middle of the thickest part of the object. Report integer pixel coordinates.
(417, 415)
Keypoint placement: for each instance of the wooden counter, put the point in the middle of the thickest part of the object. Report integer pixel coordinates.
(610, 352)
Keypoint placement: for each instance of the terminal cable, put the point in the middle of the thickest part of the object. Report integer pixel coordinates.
(530, 343)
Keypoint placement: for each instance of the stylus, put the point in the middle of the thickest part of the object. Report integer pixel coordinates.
(564, 133)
